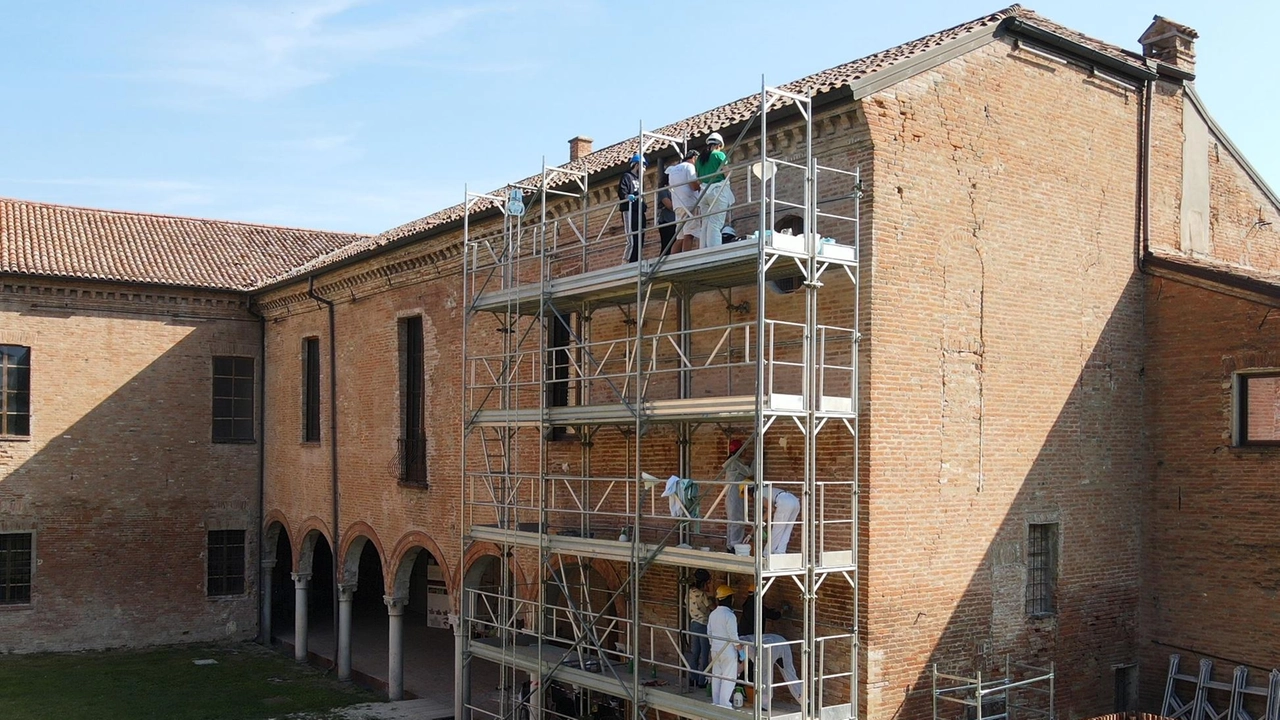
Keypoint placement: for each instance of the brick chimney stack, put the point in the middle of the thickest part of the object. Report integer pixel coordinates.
(579, 147)
(1171, 43)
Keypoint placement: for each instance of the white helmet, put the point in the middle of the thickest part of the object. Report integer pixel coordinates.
(715, 139)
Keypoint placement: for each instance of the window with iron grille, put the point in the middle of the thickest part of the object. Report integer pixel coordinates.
(15, 568)
(1042, 569)
(556, 383)
(1257, 408)
(311, 390)
(226, 562)
(413, 443)
(233, 399)
(15, 390)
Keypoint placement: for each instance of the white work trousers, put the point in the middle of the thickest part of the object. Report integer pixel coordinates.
(724, 671)
(777, 654)
(786, 508)
(713, 207)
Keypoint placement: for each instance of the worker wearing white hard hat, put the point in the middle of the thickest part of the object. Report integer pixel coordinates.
(717, 196)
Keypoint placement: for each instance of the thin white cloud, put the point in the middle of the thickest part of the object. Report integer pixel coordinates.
(256, 53)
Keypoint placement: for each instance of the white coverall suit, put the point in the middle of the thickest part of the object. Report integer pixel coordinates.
(722, 627)
(776, 652)
(786, 508)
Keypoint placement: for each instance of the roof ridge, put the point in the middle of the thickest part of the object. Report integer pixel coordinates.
(167, 216)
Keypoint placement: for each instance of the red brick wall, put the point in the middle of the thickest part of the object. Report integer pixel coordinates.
(1211, 571)
(1005, 382)
(119, 480)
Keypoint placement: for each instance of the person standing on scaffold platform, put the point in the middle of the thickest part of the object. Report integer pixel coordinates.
(633, 208)
(717, 196)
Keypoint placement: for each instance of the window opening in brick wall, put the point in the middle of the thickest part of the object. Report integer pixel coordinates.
(226, 562)
(1126, 688)
(232, 399)
(15, 390)
(556, 387)
(311, 390)
(1042, 569)
(1257, 408)
(15, 568)
(413, 442)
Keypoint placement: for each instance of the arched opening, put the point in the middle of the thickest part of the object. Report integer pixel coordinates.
(428, 649)
(580, 600)
(363, 575)
(316, 558)
(282, 593)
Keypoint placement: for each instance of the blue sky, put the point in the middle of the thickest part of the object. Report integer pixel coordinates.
(361, 115)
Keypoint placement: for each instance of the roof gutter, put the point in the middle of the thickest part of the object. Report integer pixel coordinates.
(333, 447)
(1022, 29)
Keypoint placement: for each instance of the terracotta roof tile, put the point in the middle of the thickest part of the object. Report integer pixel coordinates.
(730, 114)
(62, 241)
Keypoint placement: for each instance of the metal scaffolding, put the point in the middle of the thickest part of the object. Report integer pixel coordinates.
(589, 380)
(1017, 691)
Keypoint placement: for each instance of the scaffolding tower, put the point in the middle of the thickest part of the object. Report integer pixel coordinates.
(599, 398)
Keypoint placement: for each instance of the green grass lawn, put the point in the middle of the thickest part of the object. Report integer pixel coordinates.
(247, 682)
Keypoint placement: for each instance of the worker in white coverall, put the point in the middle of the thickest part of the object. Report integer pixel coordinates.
(735, 472)
(776, 652)
(780, 513)
(727, 653)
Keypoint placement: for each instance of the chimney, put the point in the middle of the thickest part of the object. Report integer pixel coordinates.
(579, 147)
(1171, 43)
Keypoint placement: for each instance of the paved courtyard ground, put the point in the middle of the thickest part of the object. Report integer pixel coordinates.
(245, 682)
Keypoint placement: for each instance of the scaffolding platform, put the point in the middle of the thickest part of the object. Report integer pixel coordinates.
(666, 697)
(723, 266)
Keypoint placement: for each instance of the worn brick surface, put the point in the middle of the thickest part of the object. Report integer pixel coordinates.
(119, 480)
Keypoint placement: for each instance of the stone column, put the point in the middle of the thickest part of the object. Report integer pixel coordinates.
(345, 593)
(300, 581)
(395, 646)
(461, 668)
(264, 593)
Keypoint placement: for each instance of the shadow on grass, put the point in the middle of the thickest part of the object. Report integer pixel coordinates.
(247, 682)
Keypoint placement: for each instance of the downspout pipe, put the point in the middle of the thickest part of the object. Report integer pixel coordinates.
(1144, 175)
(263, 636)
(333, 448)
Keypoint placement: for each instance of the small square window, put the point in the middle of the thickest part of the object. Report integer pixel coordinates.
(15, 568)
(226, 562)
(1257, 408)
(1042, 569)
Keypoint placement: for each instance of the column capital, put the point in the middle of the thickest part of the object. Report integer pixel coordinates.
(395, 605)
(269, 564)
(345, 592)
(300, 579)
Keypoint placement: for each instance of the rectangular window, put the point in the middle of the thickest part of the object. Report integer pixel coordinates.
(15, 568)
(413, 444)
(226, 562)
(1042, 569)
(557, 371)
(15, 390)
(311, 390)
(232, 399)
(1126, 688)
(1258, 408)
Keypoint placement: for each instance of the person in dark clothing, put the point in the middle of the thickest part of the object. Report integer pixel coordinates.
(633, 208)
(747, 620)
(666, 215)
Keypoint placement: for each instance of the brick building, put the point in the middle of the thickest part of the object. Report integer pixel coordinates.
(1061, 258)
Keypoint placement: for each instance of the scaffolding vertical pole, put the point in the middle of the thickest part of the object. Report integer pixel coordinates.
(461, 632)
(634, 480)
(761, 546)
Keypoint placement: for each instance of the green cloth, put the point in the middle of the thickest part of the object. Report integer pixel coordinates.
(709, 172)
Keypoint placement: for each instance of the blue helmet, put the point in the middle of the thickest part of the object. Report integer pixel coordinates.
(637, 159)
